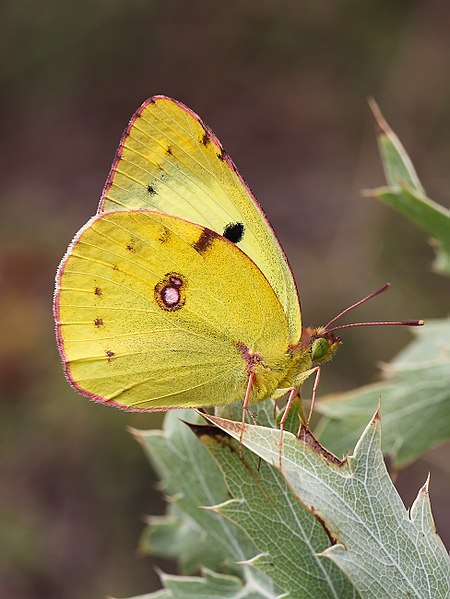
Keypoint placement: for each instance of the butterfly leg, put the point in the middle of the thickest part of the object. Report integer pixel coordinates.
(274, 410)
(314, 393)
(251, 379)
(292, 394)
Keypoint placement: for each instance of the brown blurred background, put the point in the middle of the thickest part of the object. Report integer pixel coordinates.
(284, 86)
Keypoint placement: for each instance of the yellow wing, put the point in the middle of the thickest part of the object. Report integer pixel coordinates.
(153, 312)
(171, 162)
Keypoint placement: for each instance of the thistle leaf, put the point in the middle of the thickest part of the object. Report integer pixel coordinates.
(193, 480)
(405, 193)
(383, 549)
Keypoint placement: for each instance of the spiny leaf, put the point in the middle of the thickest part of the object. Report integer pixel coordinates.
(385, 551)
(415, 401)
(397, 165)
(428, 215)
(193, 479)
(171, 536)
(406, 194)
(287, 536)
(211, 586)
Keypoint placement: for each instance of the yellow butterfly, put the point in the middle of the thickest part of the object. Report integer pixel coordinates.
(178, 293)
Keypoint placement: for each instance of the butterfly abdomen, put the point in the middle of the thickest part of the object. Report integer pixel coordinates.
(283, 372)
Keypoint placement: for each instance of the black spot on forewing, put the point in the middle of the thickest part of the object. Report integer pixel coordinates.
(98, 322)
(234, 232)
(151, 190)
(205, 241)
(98, 292)
(110, 354)
(169, 151)
(131, 248)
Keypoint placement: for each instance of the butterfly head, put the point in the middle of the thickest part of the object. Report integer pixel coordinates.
(322, 344)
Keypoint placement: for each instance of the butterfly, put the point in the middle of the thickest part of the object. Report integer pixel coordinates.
(177, 293)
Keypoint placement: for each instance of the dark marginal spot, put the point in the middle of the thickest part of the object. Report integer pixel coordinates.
(131, 248)
(110, 354)
(115, 267)
(98, 291)
(222, 155)
(169, 151)
(165, 235)
(205, 139)
(234, 232)
(98, 322)
(170, 292)
(151, 190)
(204, 242)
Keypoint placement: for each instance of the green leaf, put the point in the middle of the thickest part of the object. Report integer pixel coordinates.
(415, 401)
(192, 478)
(170, 536)
(385, 550)
(397, 165)
(431, 217)
(211, 586)
(287, 536)
(406, 194)
(292, 423)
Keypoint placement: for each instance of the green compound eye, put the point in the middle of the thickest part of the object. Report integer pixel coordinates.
(319, 348)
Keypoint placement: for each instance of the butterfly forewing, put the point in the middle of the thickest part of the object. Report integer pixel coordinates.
(153, 312)
(169, 161)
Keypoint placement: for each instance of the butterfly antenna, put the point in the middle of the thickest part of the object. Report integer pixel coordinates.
(407, 323)
(355, 305)
(402, 323)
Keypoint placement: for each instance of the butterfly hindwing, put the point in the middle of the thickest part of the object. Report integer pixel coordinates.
(154, 312)
(169, 161)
